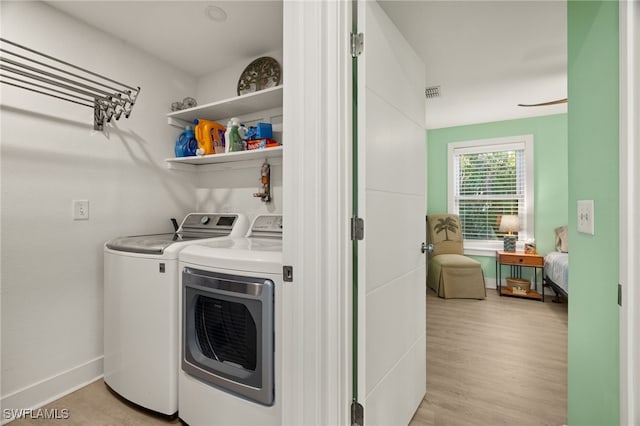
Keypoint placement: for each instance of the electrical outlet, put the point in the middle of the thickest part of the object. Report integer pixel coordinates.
(586, 217)
(80, 209)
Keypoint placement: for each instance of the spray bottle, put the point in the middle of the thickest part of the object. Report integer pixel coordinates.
(235, 140)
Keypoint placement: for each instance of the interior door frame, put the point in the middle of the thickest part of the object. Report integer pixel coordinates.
(629, 23)
(316, 206)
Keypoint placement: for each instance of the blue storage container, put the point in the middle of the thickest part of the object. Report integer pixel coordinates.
(259, 131)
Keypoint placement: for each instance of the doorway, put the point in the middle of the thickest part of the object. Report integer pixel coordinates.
(437, 193)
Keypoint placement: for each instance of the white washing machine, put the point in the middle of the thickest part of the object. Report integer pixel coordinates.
(141, 347)
(231, 329)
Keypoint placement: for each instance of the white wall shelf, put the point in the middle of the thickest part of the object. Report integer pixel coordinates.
(262, 105)
(233, 107)
(230, 157)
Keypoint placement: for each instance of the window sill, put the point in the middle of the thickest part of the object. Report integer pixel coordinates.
(487, 248)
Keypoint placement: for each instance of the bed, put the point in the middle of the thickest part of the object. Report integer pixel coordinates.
(556, 265)
(556, 273)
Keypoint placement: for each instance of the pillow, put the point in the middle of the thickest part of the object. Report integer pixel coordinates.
(562, 239)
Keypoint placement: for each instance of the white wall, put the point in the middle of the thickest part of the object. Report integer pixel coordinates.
(231, 189)
(51, 265)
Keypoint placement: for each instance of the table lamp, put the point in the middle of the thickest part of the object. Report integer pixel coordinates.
(509, 223)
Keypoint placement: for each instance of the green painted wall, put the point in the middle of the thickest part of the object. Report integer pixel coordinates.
(593, 174)
(550, 171)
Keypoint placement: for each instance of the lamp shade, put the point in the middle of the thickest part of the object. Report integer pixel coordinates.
(509, 223)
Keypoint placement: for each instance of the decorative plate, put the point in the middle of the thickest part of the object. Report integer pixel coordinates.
(260, 74)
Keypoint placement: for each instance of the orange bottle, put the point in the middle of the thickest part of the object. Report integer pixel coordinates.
(210, 135)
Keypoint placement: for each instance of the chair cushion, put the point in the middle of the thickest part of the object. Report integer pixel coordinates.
(456, 276)
(456, 260)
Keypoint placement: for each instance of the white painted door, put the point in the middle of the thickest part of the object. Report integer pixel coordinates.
(391, 199)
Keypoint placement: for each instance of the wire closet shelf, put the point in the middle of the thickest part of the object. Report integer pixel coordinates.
(25, 68)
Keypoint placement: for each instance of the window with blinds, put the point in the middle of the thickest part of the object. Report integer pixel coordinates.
(490, 179)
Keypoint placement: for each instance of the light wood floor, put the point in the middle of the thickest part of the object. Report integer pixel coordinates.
(96, 405)
(499, 361)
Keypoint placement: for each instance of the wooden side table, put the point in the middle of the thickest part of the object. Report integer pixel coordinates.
(517, 260)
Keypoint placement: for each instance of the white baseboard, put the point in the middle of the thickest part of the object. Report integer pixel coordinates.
(490, 283)
(48, 390)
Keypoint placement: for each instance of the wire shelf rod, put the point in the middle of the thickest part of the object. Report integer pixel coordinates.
(45, 93)
(51, 89)
(125, 92)
(51, 82)
(63, 80)
(91, 90)
(67, 63)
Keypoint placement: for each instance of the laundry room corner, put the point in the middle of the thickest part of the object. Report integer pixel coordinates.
(52, 264)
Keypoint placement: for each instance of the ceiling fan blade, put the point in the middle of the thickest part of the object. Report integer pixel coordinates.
(559, 101)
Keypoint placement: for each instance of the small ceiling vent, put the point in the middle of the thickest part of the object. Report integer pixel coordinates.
(432, 92)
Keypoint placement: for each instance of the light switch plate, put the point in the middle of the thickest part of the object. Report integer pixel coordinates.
(586, 217)
(80, 209)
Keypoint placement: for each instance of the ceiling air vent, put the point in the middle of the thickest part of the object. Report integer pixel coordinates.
(432, 92)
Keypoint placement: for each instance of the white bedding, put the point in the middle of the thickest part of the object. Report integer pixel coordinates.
(556, 267)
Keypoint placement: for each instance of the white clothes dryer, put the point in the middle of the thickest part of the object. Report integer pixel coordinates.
(141, 347)
(230, 305)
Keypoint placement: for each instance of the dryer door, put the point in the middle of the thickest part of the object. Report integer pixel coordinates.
(227, 338)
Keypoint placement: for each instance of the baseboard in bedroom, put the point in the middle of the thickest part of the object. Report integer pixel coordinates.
(42, 393)
(490, 283)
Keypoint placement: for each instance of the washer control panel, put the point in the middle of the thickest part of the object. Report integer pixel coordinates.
(195, 221)
(205, 225)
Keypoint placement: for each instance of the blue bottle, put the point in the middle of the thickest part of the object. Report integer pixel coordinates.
(186, 144)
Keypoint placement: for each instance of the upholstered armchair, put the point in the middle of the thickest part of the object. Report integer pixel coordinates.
(450, 273)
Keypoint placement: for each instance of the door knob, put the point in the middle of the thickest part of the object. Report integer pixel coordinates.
(424, 248)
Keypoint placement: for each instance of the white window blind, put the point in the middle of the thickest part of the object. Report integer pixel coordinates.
(489, 179)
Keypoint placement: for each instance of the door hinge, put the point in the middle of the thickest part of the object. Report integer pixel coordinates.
(619, 294)
(357, 414)
(357, 229)
(357, 44)
(287, 273)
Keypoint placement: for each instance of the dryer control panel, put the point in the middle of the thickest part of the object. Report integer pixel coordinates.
(266, 226)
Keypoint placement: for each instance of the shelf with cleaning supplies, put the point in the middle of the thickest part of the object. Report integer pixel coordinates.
(264, 105)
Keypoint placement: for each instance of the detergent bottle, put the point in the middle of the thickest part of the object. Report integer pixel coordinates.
(235, 140)
(210, 135)
(186, 144)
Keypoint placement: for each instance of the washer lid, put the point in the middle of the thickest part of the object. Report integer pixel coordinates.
(148, 244)
(195, 226)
